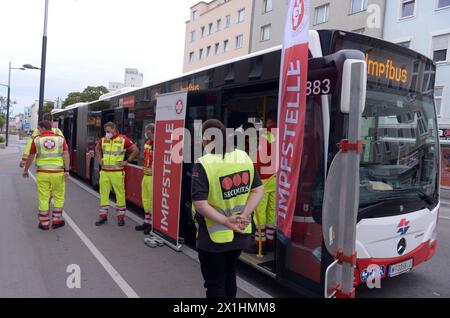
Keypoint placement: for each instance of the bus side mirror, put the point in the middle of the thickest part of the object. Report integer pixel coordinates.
(354, 81)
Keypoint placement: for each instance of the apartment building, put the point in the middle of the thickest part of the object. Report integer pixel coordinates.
(217, 31)
(424, 26)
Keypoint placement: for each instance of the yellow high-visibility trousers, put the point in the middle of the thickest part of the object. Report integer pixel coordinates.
(147, 197)
(264, 217)
(112, 180)
(50, 184)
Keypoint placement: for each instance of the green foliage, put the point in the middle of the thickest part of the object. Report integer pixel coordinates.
(48, 107)
(2, 139)
(2, 122)
(90, 94)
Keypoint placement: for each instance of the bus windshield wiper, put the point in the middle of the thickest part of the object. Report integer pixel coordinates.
(430, 200)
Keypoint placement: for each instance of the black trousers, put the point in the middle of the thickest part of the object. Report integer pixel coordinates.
(219, 273)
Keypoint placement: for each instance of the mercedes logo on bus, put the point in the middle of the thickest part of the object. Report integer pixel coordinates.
(401, 247)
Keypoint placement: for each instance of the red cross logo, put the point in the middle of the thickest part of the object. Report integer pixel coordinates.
(49, 144)
(298, 13)
(179, 107)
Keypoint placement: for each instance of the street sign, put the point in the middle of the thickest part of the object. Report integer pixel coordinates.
(27, 126)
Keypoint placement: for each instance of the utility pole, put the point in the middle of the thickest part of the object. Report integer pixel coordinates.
(43, 65)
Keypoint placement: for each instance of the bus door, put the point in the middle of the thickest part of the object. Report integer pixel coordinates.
(247, 107)
(69, 129)
(116, 116)
(201, 106)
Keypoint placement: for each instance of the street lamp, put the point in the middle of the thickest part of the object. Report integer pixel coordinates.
(30, 67)
(43, 62)
(8, 101)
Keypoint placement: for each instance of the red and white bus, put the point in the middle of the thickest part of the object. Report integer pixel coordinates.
(399, 197)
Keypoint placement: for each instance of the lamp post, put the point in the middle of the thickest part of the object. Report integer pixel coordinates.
(43, 63)
(8, 99)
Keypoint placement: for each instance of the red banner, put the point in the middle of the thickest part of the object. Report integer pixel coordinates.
(168, 167)
(292, 110)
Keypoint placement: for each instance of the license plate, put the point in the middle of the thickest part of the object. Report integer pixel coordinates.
(400, 268)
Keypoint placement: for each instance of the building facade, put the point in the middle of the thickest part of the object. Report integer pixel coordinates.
(133, 78)
(27, 118)
(424, 26)
(360, 16)
(217, 31)
(268, 24)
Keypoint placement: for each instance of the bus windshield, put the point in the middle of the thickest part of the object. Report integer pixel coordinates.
(400, 158)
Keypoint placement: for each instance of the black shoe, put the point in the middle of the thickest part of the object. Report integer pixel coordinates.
(121, 222)
(43, 228)
(148, 230)
(101, 222)
(143, 227)
(58, 225)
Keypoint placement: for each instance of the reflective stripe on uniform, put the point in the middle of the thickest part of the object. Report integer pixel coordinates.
(50, 168)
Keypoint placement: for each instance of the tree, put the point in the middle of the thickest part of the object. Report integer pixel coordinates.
(2, 122)
(48, 107)
(91, 93)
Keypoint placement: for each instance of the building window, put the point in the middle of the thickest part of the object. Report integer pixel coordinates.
(239, 41)
(408, 8)
(218, 25)
(267, 6)
(192, 36)
(208, 51)
(358, 6)
(438, 97)
(210, 28)
(194, 15)
(442, 4)
(203, 31)
(226, 45)
(440, 48)
(322, 14)
(200, 54)
(265, 33)
(241, 15)
(191, 57)
(406, 44)
(227, 21)
(216, 48)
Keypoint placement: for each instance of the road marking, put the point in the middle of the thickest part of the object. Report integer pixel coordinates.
(118, 279)
(242, 284)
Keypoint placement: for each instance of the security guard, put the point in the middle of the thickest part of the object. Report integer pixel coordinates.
(225, 190)
(26, 152)
(112, 150)
(264, 216)
(147, 180)
(53, 164)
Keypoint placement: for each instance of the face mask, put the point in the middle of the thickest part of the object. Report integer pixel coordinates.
(109, 136)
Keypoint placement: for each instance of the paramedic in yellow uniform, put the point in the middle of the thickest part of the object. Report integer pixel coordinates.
(53, 163)
(26, 152)
(265, 216)
(111, 151)
(147, 180)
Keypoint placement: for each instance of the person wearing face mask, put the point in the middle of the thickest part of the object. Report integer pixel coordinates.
(36, 133)
(111, 151)
(225, 190)
(147, 180)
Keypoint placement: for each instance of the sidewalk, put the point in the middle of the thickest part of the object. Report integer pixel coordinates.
(114, 261)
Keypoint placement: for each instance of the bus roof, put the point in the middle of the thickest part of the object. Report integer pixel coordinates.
(71, 107)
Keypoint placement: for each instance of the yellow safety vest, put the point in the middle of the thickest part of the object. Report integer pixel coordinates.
(49, 153)
(26, 152)
(148, 152)
(230, 180)
(113, 153)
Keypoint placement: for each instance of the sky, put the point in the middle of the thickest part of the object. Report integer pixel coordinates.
(90, 42)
